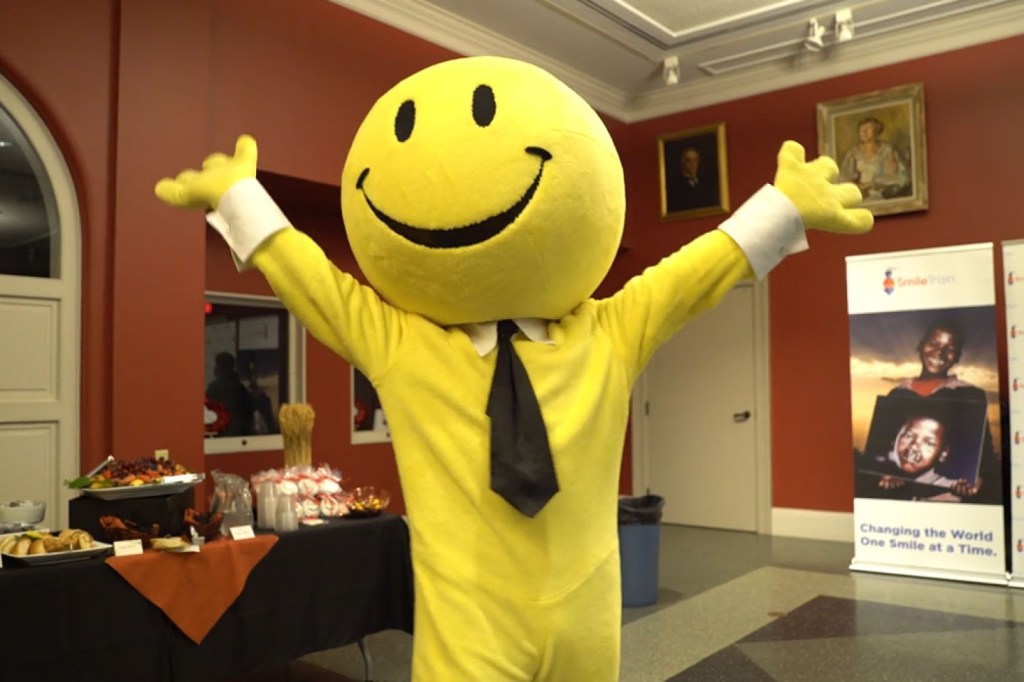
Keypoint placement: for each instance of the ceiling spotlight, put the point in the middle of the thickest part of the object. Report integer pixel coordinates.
(815, 32)
(844, 25)
(670, 70)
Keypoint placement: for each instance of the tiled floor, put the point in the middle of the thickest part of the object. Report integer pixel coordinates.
(737, 607)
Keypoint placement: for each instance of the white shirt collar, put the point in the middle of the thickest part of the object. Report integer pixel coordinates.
(484, 335)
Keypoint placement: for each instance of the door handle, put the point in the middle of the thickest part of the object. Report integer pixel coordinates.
(740, 417)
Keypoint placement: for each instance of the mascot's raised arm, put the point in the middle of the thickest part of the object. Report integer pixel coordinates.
(484, 201)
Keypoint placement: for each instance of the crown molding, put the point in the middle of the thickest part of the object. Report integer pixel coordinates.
(450, 31)
(839, 60)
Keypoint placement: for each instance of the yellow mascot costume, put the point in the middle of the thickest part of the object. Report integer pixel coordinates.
(484, 200)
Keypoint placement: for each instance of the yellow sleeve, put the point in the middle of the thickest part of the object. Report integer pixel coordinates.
(344, 315)
(655, 304)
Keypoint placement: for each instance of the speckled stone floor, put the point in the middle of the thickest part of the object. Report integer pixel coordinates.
(738, 607)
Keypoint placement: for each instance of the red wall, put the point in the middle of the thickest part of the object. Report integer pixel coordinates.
(134, 91)
(973, 105)
(62, 57)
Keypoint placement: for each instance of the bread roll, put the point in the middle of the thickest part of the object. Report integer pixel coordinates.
(37, 547)
(82, 540)
(7, 543)
(53, 544)
(21, 546)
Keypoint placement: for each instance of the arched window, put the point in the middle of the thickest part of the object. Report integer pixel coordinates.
(39, 312)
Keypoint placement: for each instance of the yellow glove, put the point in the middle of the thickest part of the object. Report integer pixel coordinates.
(204, 188)
(822, 204)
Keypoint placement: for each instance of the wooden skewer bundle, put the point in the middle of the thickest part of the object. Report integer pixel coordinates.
(297, 432)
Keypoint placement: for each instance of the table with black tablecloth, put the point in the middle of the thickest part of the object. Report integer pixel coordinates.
(317, 588)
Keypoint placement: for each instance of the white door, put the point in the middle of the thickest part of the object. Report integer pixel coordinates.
(39, 304)
(700, 435)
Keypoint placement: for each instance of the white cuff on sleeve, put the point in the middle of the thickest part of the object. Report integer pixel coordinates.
(246, 216)
(768, 228)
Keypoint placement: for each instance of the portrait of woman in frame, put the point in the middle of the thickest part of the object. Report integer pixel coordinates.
(878, 140)
(692, 168)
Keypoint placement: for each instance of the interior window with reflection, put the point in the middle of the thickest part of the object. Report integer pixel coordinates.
(247, 351)
(369, 424)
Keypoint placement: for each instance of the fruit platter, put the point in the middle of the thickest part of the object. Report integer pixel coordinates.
(116, 479)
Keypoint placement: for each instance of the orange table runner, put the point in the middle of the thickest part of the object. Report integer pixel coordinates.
(194, 589)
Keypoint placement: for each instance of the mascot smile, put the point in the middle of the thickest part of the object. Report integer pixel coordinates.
(447, 238)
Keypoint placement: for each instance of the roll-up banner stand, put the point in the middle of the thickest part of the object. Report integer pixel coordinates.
(1013, 285)
(928, 494)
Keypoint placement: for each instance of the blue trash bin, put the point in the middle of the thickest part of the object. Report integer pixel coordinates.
(639, 547)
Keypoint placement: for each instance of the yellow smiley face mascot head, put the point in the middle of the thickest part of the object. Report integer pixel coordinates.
(483, 189)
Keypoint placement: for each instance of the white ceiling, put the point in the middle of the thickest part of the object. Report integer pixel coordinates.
(612, 51)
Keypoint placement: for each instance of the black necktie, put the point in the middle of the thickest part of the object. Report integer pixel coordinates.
(521, 467)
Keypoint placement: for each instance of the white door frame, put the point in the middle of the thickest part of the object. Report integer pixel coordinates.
(762, 412)
(66, 289)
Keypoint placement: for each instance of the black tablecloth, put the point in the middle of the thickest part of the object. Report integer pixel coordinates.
(316, 589)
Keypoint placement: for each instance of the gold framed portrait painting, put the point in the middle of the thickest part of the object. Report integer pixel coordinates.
(692, 168)
(878, 140)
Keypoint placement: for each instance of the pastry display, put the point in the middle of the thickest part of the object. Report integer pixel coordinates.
(36, 542)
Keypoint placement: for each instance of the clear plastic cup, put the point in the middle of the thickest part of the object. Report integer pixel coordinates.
(286, 518)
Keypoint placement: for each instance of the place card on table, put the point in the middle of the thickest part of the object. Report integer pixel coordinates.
(127, 547)
(242, 532)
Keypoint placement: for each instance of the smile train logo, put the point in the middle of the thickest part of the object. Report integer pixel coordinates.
(888, 284)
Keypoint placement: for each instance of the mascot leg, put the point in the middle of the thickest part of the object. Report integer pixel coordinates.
(464, 633)
(585, 628)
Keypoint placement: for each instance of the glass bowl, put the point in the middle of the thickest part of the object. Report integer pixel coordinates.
(22, 512)
(367, 501)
